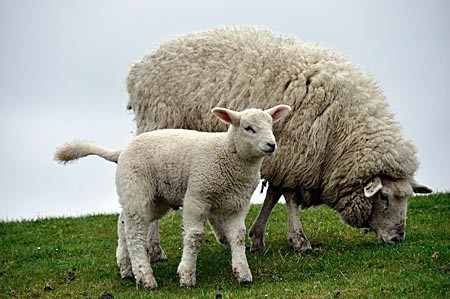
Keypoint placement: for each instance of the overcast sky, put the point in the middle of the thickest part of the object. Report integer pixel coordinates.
(63, 66)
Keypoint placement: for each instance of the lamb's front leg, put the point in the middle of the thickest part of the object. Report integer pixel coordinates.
(194, 230)
(234, 229)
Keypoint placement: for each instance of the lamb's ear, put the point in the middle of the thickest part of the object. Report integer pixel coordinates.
(419, 188)
(373, 187)
(227, 116)
(278, 112)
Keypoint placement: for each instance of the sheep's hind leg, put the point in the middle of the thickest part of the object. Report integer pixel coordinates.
(217, 226)
(155, 252)
(296, 236)
(136, 231)
(258, 229)
(122, 255)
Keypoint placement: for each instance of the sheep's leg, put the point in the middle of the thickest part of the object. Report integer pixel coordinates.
(136, 231)
(258, 229)
(122, 255)
(155, 252)
(217, 226)
(234, 229)
(296, 236)
(194, 230)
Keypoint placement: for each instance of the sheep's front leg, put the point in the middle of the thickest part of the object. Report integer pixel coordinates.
(136, 232)
(234, 229)
(296, 236)
(194, 230)
(258, 229)
(155, 252)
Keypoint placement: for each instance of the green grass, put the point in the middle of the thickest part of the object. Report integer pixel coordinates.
(75, 258)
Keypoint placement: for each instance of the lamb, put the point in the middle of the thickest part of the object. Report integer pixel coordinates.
(342, 146)
(211, 175)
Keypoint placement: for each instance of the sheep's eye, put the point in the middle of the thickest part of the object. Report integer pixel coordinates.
(249, 129)
(384, 198)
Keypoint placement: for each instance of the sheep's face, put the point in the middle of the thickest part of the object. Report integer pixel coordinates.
(251, 129)
(390, 199)
(254, 136)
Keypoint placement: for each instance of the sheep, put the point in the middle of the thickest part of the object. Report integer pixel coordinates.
(211, 175)
(342, 146)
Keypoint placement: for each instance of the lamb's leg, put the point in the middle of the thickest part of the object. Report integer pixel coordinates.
(194, 230)
(258, 229)
(234, 228)
(217, 227)
(136, 232)
(122, 255)
(155, 252)
(296, 236)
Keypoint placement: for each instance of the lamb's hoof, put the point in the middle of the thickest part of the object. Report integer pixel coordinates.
(157, 255)
(243, 275)
(148, 282)
(187, 279)
(300, 244)
(125, 270)
(256, 242)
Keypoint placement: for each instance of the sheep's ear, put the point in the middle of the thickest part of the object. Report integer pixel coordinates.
(278, 112)
(227, 116)
(419, 188)
(373, 187)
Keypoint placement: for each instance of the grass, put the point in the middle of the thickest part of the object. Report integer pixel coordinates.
(75, 258)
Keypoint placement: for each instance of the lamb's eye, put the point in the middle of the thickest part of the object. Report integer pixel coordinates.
(249, 129)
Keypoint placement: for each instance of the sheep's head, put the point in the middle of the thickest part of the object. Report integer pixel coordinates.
(251, 129)
(382, 207)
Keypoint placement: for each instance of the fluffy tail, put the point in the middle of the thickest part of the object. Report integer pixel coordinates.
(79, 149)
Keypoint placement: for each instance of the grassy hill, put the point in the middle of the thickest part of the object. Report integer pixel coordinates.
(75, 258)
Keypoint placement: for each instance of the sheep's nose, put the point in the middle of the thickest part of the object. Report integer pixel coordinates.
(272, 146)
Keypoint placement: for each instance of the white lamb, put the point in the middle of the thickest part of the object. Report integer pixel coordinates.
(212, 175)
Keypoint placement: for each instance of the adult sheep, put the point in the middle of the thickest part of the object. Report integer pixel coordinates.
(341, 147)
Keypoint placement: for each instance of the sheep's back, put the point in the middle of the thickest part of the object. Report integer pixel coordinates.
(178, 84)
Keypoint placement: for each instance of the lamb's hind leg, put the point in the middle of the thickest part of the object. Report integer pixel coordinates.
(136, 232)
(155, 252)
(296, 236)
(258, 229)
(122, 255)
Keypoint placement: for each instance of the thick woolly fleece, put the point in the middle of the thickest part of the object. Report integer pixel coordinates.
(340, 135)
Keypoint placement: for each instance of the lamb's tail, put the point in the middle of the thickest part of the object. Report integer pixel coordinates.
(79, 149)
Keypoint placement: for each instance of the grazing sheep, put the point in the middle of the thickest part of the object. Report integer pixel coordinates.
(212, 175)
(341, 137)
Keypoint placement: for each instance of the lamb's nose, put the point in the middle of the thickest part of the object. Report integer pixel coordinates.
(272, 146)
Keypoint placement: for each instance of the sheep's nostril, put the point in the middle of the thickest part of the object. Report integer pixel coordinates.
(271, 145)
(398, 238)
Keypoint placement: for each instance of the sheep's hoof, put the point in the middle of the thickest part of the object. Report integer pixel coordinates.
(157, 255)
(148, 282)
(187, 279)
(244, 276)
(256, 242)
(125, 269)
(300, 243)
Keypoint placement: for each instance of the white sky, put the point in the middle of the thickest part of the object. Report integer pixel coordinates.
(63, 66)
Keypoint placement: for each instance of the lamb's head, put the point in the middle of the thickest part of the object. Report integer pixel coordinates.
(251, 129)
(383, 204)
